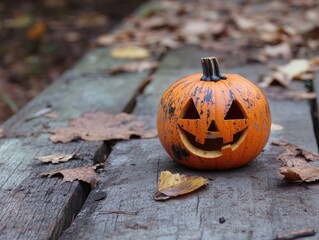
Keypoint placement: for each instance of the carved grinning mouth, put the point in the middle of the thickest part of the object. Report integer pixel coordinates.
(211, 147)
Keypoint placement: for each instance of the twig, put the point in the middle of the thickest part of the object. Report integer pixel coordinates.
(9, 102)
(305, 232)
(119, 212)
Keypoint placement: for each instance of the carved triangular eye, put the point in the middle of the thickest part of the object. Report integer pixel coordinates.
(235, 112)
(212, 127)
(190, 111)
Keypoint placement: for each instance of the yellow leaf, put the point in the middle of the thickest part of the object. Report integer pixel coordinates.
(172, 185)
(130, 52)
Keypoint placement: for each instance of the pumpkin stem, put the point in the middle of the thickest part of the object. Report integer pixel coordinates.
(211, 70)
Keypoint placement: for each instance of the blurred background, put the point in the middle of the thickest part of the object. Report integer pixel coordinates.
(40, 39)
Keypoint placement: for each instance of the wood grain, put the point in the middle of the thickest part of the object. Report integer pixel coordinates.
(39, 208)
(253, 201)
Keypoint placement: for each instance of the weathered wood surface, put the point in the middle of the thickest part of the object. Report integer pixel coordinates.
(255, 202)
(37, 208)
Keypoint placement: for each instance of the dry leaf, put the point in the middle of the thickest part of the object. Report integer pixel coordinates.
(85, 174)
(56, 158)
(171, 185)
(295, 162)
(300, 174)
(295, 68)
(275, 78)
(132, 52)
(281, 50)
(102, 126)
(36, 31)
(139, 66)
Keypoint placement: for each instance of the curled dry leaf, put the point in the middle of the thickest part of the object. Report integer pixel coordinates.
(300, 174)
(171, 185)
(275, 78)
(85, 174)
(56, 158)
(295, 163)
(102, 126)
(132, 52)
(295, 68)
(139, 66)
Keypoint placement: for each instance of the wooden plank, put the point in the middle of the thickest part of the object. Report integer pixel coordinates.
(38, 208)
(254, 201)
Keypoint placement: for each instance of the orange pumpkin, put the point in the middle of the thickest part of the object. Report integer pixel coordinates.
(213, 121)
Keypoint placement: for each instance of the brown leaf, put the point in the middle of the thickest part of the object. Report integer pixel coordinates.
(292, 152)
(56, 158)
(171, 185)
(85, 174)
(295, 162)
(37, 30)
(295, 68)
(275, 78)
(300, 174)
(139, 66)
(102, 126)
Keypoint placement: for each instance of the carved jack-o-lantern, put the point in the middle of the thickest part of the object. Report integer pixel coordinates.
(213, 121)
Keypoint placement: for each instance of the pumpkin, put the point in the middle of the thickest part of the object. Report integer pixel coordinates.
(213, 121)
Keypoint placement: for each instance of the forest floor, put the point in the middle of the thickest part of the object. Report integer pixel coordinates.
(41, 39)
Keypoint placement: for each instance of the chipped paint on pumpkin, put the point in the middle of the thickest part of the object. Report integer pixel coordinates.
(241, 117)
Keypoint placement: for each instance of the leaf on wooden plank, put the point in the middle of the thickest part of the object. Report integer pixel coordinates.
(295, 162)
(85, 174)
(275, 78)
(131, 52)
(102, 126)
(300, 174)
(295, 68)
(293, 151)
(139, 66)
(294, 234)
(171, 185)
(56, 158)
